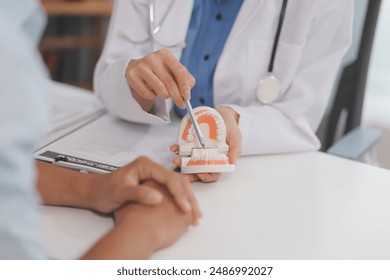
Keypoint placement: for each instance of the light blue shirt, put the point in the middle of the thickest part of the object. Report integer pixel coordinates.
(23, 119)
(210, 25)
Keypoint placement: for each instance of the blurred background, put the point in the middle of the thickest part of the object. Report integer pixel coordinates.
(376, 111)
(75, 37)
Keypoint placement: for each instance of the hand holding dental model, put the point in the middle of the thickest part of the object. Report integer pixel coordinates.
(213, 156)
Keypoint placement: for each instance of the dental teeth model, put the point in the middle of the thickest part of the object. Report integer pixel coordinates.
(212, 159)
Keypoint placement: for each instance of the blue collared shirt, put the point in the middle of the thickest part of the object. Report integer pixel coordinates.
(23, 116)
(209, 28)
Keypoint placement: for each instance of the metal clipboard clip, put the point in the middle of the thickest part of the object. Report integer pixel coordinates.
(83, 165)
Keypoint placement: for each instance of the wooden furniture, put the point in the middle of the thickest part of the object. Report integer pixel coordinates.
(101, 8)
(55, 44)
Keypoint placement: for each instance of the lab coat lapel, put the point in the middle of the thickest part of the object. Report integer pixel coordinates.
(248, 11)
(175, 25)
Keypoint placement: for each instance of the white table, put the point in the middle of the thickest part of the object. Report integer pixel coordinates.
(297, 206)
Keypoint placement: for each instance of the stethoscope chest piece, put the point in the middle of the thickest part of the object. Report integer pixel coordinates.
(269, 89)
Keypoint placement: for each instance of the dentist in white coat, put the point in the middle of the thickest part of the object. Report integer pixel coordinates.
(155, 50)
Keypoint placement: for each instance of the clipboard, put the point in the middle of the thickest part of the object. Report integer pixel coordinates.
(108, 143)
(76, 163)
(97, 142)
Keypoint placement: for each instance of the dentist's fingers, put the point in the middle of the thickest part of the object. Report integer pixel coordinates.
(170, 84)
(155, 83)
(174, 148)
(160, 73)
(181, 76)
(140, 85)
(173, 74)
(233, 132)
(234, 142)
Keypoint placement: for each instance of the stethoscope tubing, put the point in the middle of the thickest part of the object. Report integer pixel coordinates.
(270, 82)
(277, 36)
(155, 28)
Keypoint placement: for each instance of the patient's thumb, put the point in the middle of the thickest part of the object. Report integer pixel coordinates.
(148, 195)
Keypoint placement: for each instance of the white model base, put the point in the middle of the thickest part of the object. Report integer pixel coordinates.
(208, 168)
(205, 168)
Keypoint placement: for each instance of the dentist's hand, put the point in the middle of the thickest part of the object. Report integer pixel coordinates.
(159, 74)
(233, 132)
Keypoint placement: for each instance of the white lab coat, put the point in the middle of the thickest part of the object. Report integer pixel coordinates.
(315, 36)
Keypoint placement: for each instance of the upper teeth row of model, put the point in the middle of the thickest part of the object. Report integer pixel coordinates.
(190, 134)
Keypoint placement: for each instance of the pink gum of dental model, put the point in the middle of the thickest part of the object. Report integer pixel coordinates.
(212, 159)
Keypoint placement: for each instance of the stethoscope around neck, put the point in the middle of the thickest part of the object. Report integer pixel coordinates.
(269, 88)
(154, 28)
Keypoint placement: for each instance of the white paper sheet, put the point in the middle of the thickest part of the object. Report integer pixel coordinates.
(69, 105)
(120, 143)
(70, 108)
